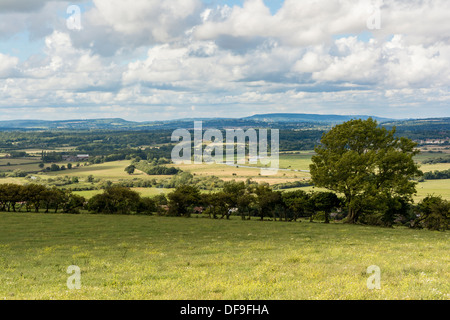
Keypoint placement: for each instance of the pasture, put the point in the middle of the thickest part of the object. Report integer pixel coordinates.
(149, 257)
(433, 187)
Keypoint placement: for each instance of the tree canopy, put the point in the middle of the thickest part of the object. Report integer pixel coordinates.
(367, 164)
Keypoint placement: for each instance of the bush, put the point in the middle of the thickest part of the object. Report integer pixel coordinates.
(146, 205)
(433, 213)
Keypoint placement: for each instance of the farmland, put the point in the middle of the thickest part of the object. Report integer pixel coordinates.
(293, 167)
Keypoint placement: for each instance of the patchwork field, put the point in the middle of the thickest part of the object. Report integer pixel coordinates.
(145, 257)
(293, 167)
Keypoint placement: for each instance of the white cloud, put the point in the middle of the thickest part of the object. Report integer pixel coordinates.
(155, 20)
(180, 57)
(8, 65)
(297, 23)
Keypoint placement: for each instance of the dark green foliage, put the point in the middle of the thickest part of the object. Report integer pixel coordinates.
(156, 170)
(18, 154)
(162, 171)
(435, 175)
(437, 160)
(364, 162)
(299, 204)
(114, 200)
(183, 200)
(130, 169)
(266, 200)
(291, 185)
(147, 205)
(433, 213)
(325, 202)
(14, 197)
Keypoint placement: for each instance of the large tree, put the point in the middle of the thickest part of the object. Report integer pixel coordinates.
(364, 162)
(115, 199)
(183, 199)
(325, 202)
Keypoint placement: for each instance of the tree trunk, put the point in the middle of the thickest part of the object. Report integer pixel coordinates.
(327, 217)
(352, 216)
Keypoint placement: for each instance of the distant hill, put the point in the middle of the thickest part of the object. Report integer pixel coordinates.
(66, 124)
(284, 121)
(304, 117)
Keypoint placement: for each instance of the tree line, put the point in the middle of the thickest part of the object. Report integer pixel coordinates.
(33, 197)
(246, 200)
(436, 175)
(437, 160)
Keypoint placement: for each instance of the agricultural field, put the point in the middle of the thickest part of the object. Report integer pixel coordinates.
(294, 166)
(24, 164)
(433, 187)
(144, 192)
(150, 257)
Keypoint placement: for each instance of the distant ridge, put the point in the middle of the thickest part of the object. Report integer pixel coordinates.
(65, 124)
(287, 120)
(305, 117)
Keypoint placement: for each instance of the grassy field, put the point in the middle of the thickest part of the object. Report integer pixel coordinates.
(144, 192)
(142, 257)
(433, 187)
(24, 164)
(18, 161)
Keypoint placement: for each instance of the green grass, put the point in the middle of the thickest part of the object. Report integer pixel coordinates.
(24, 164)
(24, 167)
(299, 161)
(141, 257)
(433, 187)
(18, 161)
(434, 167)
(144, 192)
(113, 170)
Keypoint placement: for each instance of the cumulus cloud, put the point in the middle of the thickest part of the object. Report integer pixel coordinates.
(8, 65)
(184, 56)
(22, 5)
(297, 23)
(159, 20)
(117, 25)
(38, 19)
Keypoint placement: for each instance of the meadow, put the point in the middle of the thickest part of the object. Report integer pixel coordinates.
(151, 257)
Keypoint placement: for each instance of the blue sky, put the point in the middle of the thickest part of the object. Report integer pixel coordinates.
(20, 45)
(166, 59)
(273, 5)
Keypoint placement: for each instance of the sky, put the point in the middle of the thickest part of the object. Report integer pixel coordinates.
(145, 60)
